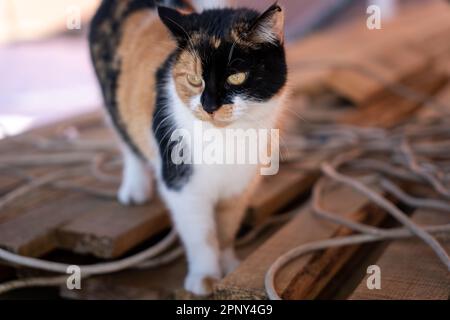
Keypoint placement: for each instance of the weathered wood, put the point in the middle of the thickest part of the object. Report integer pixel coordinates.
(393, 64)
(435, 46)
(409, 268)
(32, 233)
(323, 266)
(8, 183)
(391, 109)
(31, 200)
(442, 98)
(278, 191)
(346, 43)
(247, 282)
(110, 230)
(46, 219)
(151, 284)
(165, 282)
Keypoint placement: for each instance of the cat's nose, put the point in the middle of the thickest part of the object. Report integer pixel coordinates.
(209, 103)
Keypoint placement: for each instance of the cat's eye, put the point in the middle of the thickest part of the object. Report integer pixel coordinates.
(194, 80)
(237, 78)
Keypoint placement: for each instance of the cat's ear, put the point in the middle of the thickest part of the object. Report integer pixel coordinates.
(175, 21)
(269, 26)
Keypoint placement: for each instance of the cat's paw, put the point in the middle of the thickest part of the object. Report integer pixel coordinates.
(135, 192)
(200, 284)
(228, 261)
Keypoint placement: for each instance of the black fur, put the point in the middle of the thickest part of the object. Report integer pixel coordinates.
(265, 63)
(174, 175)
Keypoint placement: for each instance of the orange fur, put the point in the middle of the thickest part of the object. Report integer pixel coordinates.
(220, 118)
(145, 45)
(186, 64)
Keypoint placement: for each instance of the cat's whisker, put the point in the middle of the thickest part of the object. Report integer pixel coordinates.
(230, 55)
(296, 114)
(161, 123)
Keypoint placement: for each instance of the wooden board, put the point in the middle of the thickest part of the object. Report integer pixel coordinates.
(409, 268)
(277, 192)
(110, 230)
(324, 265)
(342, 45)
(47, 219)
(164, 282)
(391, 108)
(393, 64)
(442, 98)
(247, 282)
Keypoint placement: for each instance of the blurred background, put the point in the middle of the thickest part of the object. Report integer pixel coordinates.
(45, 70)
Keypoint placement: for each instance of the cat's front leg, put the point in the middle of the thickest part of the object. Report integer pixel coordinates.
(229, 216)
(136, 186)
(193, 216)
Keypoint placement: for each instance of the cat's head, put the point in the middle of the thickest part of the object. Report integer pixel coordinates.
(230, 63)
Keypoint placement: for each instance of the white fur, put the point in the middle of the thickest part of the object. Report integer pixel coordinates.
(265, 33)
(195, 102)
(192, 208)
(136, 187)
(201, 5)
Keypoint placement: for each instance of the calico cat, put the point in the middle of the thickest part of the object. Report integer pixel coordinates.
(163, 68)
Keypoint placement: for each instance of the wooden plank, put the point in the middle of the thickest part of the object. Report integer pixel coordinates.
(27, 202)
(442, 98)
(435, 46)
(345, 43)
(444, 65)
(247, 282)
(164, 282)
(110, 230)
(391, 109)
(152, 284)
(8, 183)
(323, 266)
(32, 232)
(393, 64)
(278, 191)
(409, 268)
(81, 223)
